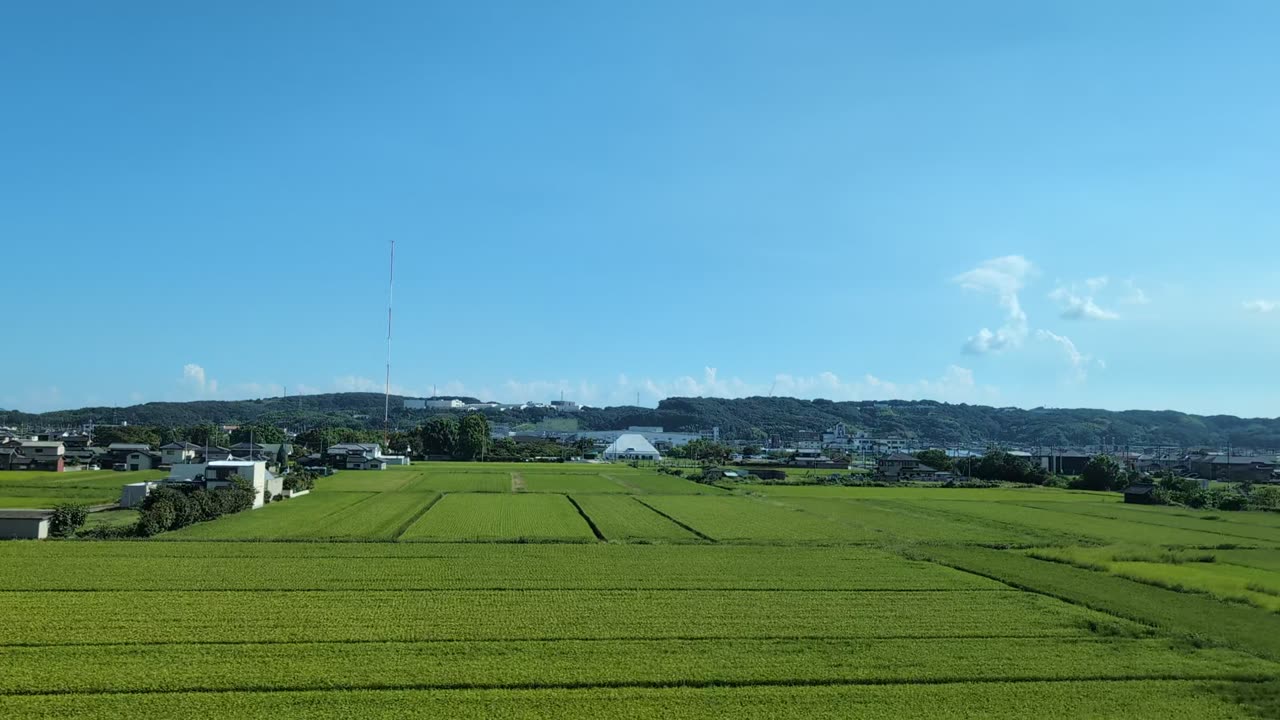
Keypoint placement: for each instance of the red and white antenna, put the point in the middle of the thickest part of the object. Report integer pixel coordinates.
(386, 408)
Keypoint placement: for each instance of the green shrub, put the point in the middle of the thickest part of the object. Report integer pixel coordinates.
(67, 518)
(1265, 498)
(172, 507)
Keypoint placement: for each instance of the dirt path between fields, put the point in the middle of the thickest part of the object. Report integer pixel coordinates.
(517, 482)
(626, 485)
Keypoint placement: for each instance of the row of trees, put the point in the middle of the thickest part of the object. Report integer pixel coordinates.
(704, 451)
(995, 466)
(467, 439)
(170, 507)
(210, 434)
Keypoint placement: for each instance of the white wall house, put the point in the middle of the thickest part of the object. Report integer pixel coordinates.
(215, 474)
(221, 473)
(178, 452)
(631, 446)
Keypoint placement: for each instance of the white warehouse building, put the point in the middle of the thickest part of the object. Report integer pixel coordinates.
(631, 446)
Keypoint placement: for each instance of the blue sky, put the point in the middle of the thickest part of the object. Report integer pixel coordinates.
(1059, 203)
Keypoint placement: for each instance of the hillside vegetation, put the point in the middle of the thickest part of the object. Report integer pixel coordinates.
(745, 418)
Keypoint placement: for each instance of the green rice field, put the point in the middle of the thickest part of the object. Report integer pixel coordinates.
(36, 489)
(459, 590)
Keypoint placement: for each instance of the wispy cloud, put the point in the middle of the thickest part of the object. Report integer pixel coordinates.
(1135, 294)
(1003, 277)
(1079, 304)
(1262, 306)
(359, 383)
(956, 384)
(1079, 362)
(195, 380)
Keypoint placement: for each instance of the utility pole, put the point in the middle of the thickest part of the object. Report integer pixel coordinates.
(386, 408)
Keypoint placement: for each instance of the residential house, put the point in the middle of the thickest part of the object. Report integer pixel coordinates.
(266, 452)
(213, 452)
(1234, 468)
(140, 460)
(178, 452)
(221, 473)
(11, 457)
(213, 475)
(118, 454)
(355, 456)
(47, 455)
(631, 446)
(899, 465)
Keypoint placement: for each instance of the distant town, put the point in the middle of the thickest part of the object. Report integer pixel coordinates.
(837, 448)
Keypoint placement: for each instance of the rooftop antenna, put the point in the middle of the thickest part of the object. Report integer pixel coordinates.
(386, 407)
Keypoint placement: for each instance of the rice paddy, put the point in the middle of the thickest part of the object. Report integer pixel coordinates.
(481, 590)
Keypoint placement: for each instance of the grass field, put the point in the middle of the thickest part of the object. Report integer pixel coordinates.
(524, 590)
(32, 489)
(620, 517)
(501, 517)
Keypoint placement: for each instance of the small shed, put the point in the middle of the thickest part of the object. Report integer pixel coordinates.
(24, 524)
(1141, 494)
(135, 493)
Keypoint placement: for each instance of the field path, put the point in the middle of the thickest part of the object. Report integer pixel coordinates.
(626, 485)
(517, 482)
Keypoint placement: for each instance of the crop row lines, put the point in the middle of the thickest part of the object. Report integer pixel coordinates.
(595, 589)
(664, 684)
(566, 639)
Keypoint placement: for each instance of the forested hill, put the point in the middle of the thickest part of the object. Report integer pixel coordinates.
(753, 417)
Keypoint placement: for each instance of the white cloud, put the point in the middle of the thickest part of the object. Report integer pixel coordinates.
(957, 384)
(1135, 296)
(1079, 362)
(359, 383)
(194, 377)
(1097, 283)
(1262, 306)
(1003, 277)
(1078, 306)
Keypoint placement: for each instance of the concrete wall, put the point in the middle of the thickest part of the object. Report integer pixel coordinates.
(24, 528)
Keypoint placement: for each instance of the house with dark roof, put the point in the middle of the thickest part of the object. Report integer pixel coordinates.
(1141, 494)
(47, 455)
(897, 465)
(140, 460)
(1066, 462)
(1233, 468)
(355, 456)
(265, 452)
(178, 452)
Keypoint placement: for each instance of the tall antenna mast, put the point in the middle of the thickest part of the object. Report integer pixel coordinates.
(386, 407)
